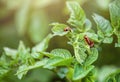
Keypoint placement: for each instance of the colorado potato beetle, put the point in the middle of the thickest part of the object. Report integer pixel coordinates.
(67, 29)
(89, 42)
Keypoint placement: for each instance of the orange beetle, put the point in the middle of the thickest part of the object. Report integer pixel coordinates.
(89, 42)
(67, 29)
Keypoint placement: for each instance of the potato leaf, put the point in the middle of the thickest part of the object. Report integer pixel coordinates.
(114, 9)
(80, 54)
(77, 16)
(62, 72)
(113, 77)
(42, 46)
(58, 29)
(87, 25)
(60, 57)
(58, 61)
(108, 40)
(92, 57)
(24, 68)
(11, 52)
(92, 36)
(103, 25)
(80, 71)
(20, 75)
(61, 53)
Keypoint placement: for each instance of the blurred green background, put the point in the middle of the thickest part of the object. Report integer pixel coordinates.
(28, 20)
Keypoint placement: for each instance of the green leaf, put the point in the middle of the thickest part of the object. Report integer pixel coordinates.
(80, 54)
(58, 29)
(36, 55)
(11, 52)
(114, 9)
(117, 44)
(108, 40)
(21, 46)
(58, 61)
(60, 57)
(80, 71)
(62, 72)
(77, 16)
(113, 77)
(3, 61)
(90, 77)
(42, 46)
(87, 25)
(24, 56)
(104, 72)
(3, 71)
(22, 52)
(63, 53)
(20, 75)
(92, 57)
(92, 36)
(101, 34)
(103, 25)
(24, 68)
(38, 64)
(70, 72)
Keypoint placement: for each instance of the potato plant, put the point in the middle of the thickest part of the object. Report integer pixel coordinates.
(77, 67)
